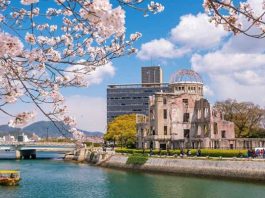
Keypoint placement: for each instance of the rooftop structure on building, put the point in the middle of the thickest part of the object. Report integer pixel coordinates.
(152, 75)
(133, 98)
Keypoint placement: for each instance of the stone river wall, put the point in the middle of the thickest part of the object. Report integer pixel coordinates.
(236, 169)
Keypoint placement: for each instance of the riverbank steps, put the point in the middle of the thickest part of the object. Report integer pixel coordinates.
(233, 168)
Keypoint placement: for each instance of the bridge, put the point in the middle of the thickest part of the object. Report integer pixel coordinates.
(27, 150)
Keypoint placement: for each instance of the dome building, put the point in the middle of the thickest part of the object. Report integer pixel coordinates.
(182, 118)
(186, 81)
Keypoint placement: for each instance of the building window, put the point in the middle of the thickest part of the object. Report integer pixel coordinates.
(215, 128)
(199, 130)
(186, 117)
(186, 133)
(164, 101)
(165, 114)
(206, 132)
(199, 114)
(206, 111)
(153, 130)
(223, 134)
(165, 130)
(185, 102)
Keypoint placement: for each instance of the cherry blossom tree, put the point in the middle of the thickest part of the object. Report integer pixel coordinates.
(48, 45)
(246, 17)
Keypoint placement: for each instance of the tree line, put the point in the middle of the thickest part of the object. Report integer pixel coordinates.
(248, 118)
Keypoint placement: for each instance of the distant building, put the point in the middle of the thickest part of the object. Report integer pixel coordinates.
(9, 138)
(134, 98)
(35, 137)
(22, 138)
(182, 118)
(152, 75)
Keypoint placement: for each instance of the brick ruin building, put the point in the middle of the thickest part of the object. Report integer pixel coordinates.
(182, 118)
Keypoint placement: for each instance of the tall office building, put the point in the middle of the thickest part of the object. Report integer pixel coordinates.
(133, 98)
(152, 75)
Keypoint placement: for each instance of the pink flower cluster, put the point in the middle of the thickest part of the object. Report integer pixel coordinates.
(237, 16)
(39, 56)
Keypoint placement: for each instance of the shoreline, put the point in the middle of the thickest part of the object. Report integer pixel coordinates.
(240, 170)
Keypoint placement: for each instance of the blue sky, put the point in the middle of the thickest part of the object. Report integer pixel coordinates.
(180, 37)
(127, 69)
(152, 27)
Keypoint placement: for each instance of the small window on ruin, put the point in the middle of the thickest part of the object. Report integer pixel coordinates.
(186, 133)
(206, 130)
(199, 130)
(165, 130)
(199, 114)
(223, 134)
(185, 102)
(182, 88)
(186, 117)
(165, 114)
(215, 128)
(164, 101)
(206, 111)
(142, 132)
(153, 131)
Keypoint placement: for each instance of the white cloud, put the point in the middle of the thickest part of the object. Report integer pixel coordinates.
(160, 48)
(89, 112)
(233, 75)
(207, 91)
(253, 78)
(222, 62)
(95, 76)
(197, 32)
(192, 33)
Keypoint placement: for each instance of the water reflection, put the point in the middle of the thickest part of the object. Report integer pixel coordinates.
(56, 178)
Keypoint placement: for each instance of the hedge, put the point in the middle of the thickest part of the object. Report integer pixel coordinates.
(204, 152)
(92, 144)
(137, 159)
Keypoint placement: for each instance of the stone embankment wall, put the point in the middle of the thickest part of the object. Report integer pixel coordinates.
(236, 169)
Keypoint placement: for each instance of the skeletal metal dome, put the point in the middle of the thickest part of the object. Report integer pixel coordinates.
(185, 76)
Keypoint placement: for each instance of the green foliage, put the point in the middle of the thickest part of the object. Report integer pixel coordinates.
(57, 140)
(88, 144)
(137, 159)
(222, 153)
(204, 152)
(122, 130)
(246, 116)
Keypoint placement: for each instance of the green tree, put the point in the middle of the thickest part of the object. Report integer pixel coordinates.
(122, 130)
(246, 116)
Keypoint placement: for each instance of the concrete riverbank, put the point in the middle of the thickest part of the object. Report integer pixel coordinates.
(236, 169)
(241, 169)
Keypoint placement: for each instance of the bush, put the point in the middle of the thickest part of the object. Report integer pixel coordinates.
(88, 144)
(137, 159)
(223, 153)
(204, 152)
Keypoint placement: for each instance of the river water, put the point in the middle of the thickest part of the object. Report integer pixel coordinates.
(48, 178)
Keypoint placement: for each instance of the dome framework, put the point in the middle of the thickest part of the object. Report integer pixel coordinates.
(185, 76)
